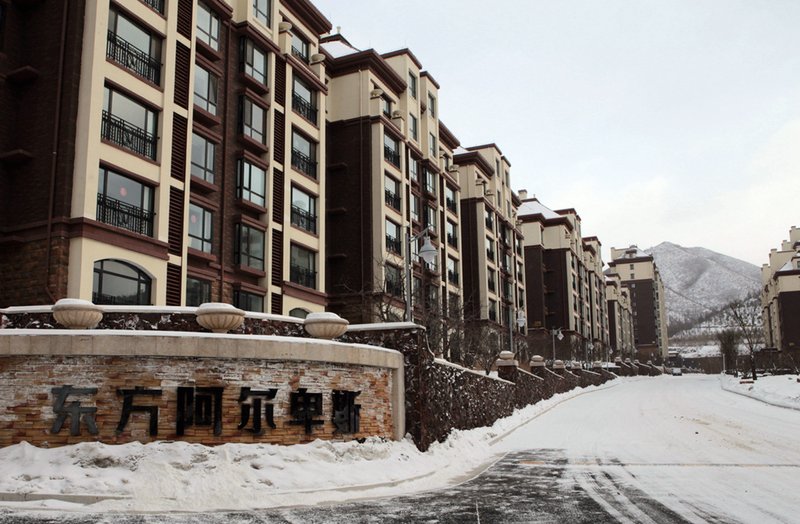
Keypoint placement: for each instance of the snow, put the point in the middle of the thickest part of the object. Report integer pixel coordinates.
(178, 476)
(338, 49)
(383, 326)
(534, 207)
(74, 302)
(779, 390)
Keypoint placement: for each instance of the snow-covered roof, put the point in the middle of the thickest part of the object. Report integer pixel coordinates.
(792, 264)
(534, 207)
(459, 151)
(634, 252)
(338, 48)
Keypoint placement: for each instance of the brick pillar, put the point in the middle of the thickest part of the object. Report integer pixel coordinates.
(507, 366)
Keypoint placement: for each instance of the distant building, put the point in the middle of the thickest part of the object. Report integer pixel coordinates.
(639, 275)
(780, 295)
(620, 317)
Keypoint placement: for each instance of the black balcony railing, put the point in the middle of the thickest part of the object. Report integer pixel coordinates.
(304, 108)
(129, 136)
(120, 214)
(158, 5)
(298, 53)
(304, 163)
(304, 219)
(392, 156)
(452, 239)
(452, 277)
(303, 276)
(131, 57)
(393, 244)
(392, 199)
(451, 205)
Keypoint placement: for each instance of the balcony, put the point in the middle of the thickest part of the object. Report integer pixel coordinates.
(303, 276)
(304, 219)
(304, 163)
(131, 57)
(392, 199)
(452, 239)
(304, 108)
(129, 136)
(451, 205)
(156, 5)
(120, 214)
(391, 156)
(393, 244)
(300, 55)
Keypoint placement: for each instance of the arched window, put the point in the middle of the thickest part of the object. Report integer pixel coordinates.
(298, 313)
(117, 282)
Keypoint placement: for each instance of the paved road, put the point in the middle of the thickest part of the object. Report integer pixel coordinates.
(655, 451)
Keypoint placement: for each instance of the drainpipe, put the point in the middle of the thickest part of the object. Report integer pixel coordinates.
(54, 152)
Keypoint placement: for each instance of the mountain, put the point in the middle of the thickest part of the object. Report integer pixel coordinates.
(699, 281)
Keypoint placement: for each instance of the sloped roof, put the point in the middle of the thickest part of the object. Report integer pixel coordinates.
(534, 207)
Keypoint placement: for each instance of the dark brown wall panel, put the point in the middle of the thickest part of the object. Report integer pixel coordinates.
(173, 285)
(179, 145)
(280, 137)
(280, 81)
(183, 60)
(175, 221)
(185, 17)
(277, 258)
(277, 196)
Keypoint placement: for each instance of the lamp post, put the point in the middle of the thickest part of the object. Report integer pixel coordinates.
(520, 322)
(556, 333)
(427, 253)
(590, 347)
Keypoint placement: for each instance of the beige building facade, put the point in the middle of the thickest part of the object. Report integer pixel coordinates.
(780, 295)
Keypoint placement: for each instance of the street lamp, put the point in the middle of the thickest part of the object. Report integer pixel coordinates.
(590, 347)
(427, 253)
(556, 333)
(520, 322)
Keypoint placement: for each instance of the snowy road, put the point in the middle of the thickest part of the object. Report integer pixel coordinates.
(667, 449)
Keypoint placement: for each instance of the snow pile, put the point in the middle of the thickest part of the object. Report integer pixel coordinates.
(779, 390)
(178, 476)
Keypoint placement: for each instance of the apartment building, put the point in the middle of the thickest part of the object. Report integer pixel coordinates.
(780, 295)
(392, 187)
(189, 153)
(620, 317)
(639, 274)
(491, 241)
(564, 272)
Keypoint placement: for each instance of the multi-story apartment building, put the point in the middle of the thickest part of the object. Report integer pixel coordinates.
(391, 179)
(566, 290)
(640, 276)
(187, 153)
(491, 241)
(780, 295)
(620, 317)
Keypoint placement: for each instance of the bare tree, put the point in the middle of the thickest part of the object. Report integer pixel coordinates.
(728, 342)
(746, 319)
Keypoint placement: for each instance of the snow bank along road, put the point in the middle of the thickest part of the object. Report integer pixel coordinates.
(666, 449)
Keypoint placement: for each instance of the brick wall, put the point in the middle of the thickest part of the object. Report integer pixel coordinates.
(26, 397)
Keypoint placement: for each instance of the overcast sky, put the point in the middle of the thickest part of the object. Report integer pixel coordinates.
(668, 120)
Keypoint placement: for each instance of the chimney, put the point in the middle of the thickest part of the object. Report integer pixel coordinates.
(523, 194)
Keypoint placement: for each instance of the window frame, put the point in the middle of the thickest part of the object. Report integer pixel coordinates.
(207, 36)
(302, 160)
(263, 14)
(205, 292)
(141, 278)
(204, 100)
(248, 118)
(209, 148)
(239, 294)
(249, 51)
(243, 252)
(299, 214)
(205, 239)
(311, 270)
(145, 206)
(244, 179)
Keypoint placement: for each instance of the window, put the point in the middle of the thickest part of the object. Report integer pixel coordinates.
(450, 199)
(413, 127)
(129, 124)
(125, 203)
(205, 90)
(299, 47)
(304, 100)
(432, 105)
(262, 10)
(204, 154)
(493, 310)
(249, 246)
(430, 181)
(304, 154)
(248, 301)
(392, 192)
(253, 120)
(394, 281)
(386, 106)
(412, 85)
(453, 305)
(393, 242)
(416, 289)
(413, 169)
(446, 159)
(430, 218)
(488, 219)
(200, 225)
(432, 297)
(415, 207)
(254, 61)
(132, 47)
(304, 210)
(433, 148)
(391, 150)
(489, 248)
(452, 271)
(207, 26)
(491, 280)
(252, 183)
(452, 234)
(299, 313)
(303, 269)
(197, 291)
(117, 282)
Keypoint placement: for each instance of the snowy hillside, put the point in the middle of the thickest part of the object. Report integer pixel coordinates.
(699, 281)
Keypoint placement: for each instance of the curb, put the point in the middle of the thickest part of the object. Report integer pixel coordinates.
(78, 499)
(771, 403)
